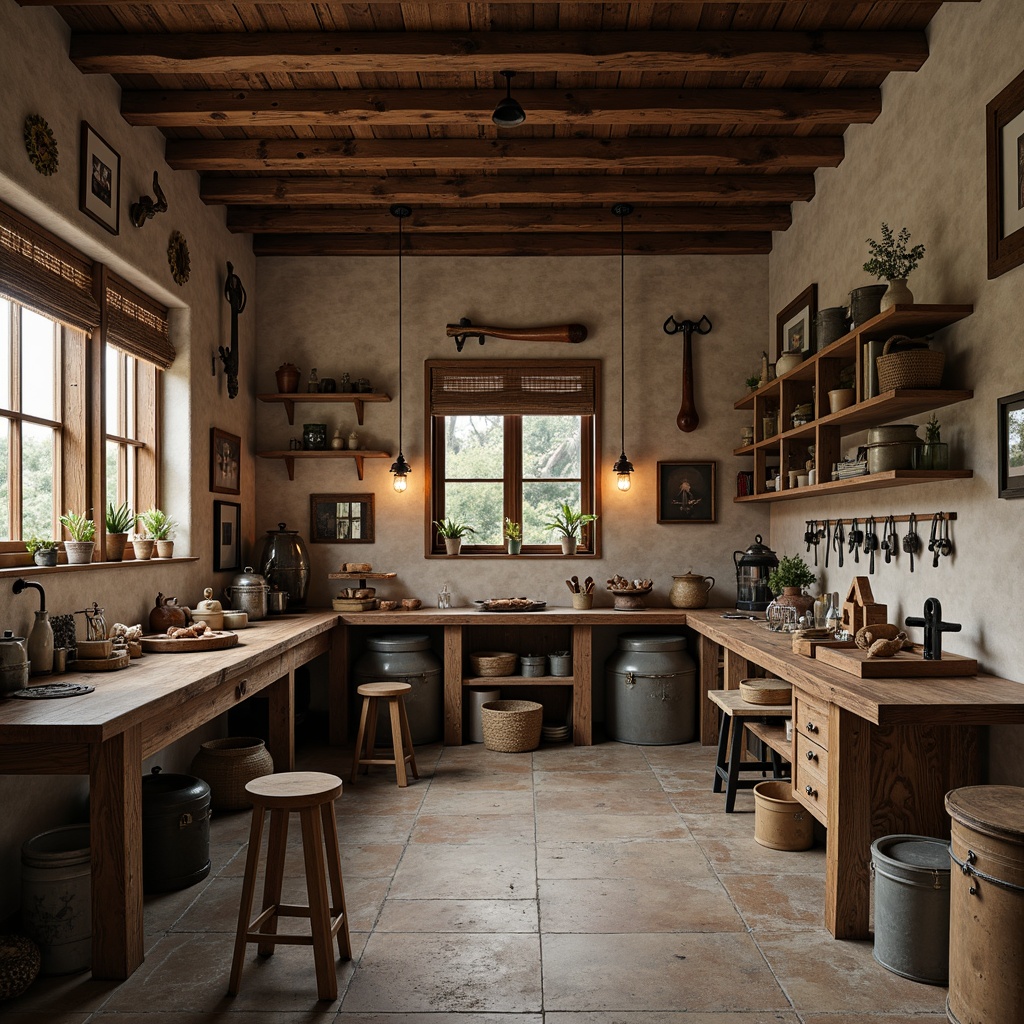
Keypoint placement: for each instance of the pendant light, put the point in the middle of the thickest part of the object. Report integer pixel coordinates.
(400, 467)
(623, 467)
(508, 113)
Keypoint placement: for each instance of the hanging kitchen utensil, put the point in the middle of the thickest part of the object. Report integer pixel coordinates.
(826, 535)
(933, 545)
(839, 540)
(687, 419)
(815, 538)
(808, 534)
(870, 543)
(911, 541)
(890, 542)
(856, 539)
(946, 546)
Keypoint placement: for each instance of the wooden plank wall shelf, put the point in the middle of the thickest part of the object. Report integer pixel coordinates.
(290, 457)
(820, 373)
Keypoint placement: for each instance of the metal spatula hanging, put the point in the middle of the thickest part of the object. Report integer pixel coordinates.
(911, 541)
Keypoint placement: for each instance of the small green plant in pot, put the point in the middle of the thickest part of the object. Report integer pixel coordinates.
(159, 526)
(894, 260)
(787, 581)
(569, 522)
(934, 453)
(83, 537)
(43, 550)
(513, 536)
(453, 531)
(119, 521)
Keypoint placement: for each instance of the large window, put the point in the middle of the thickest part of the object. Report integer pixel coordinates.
(511, 440)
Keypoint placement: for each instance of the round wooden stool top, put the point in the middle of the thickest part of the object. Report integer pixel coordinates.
(383, 689)
(294, 790)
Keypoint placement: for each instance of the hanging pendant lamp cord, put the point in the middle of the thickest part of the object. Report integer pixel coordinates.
(622, 332)
(400, 219)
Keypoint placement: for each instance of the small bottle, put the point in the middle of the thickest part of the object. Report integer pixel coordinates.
(444, 597)
(833, 618)
(313, 385)
(353, 441)
(338, 442)
(822, 603)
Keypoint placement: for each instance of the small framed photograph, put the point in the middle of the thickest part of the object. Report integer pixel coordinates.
(1004, 150)
(99, 187)
(794, 326)
(1011, 446)
(227, 536)
(341, 518)
(225, 462)
(686, 492)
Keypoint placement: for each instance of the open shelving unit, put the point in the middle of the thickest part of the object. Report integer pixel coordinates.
(290, 456)
(357, 399)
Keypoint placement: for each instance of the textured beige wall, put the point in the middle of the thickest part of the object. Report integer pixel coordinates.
(36, 77)
(922, 164)
(341, 314)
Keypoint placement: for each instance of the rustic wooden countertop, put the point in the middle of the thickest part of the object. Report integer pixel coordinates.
(551, 615)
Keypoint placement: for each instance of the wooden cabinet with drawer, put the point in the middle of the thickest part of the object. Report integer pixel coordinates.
(810, 761)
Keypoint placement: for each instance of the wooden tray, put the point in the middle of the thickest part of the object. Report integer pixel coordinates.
(354, 604)
(101, 664)
(808, 647)
(212, 640)
(903, 665)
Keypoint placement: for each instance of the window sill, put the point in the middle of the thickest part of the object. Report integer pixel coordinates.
(505, 555)
(47, 570)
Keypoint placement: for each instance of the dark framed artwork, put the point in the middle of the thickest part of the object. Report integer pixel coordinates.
(227, 535)
(225, 462)
(1004, 152)
(341, 518)
(686, 492)
(794, 326)
(99, 186)
(1011, 446)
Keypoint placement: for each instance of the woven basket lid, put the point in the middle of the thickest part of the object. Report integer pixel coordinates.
(766, 691)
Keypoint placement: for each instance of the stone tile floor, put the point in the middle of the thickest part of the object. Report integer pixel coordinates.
(588, 885)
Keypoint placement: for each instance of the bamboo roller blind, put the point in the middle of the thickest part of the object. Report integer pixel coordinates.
(136, 324)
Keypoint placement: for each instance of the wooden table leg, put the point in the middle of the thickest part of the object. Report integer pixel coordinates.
(453, 686)
(337, 686)
(115, 841)
(707, 652)
(736, 668)
(582, 706)
(281, 701)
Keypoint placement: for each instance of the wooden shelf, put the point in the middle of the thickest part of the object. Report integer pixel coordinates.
(869, 482)
(499, 681)
(361, 575)
(358, 399)
(290, 457)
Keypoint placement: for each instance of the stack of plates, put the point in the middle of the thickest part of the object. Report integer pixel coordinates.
(554, 733)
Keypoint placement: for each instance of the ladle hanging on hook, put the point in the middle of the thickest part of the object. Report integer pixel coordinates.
(687, 419)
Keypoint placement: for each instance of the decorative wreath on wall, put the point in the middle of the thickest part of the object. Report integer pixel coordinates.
(40, 144)
(178, 257)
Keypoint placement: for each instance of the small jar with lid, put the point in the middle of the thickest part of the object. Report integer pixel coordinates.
(338, 442)
(209, 611)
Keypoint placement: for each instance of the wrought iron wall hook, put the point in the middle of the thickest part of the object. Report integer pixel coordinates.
(234, 292)
(687, 419)
(147, 207)
(686, 325)
(461, 339)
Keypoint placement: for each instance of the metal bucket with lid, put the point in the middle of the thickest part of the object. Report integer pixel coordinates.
(892, 447)
(248, 593)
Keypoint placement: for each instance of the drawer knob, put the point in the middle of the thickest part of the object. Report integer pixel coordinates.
(811, 727)
(811, 755)
(811, 791)
(242, 688)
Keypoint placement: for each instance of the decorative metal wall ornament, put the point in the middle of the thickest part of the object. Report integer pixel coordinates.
(234, 292)
(687, 419)
(147, 207)
(178, 258)
(40, 144)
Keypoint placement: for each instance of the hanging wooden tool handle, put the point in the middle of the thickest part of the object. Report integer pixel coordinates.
(570, 334)
(687, 420)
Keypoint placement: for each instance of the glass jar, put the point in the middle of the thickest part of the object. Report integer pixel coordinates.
(284, 564)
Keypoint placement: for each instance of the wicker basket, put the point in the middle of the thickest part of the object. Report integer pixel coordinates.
(766, 691)
(19, 964)
(512, 726)
(912, 368)
(227, 765)
(493, 663)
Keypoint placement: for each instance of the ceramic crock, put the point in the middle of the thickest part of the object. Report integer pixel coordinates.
(13, 663)
(690, 590)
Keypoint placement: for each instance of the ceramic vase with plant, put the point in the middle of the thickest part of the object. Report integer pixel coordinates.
(787, 581)
(119, 521)
(43, 550)
(513, 537)
(452, 530)
(753, 383)
(159, 526)
(934, 453)
(569, 523)
(83, 537)
(894, 261)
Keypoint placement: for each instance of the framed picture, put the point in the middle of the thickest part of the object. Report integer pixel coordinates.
(341, 518)
(1004, 150)
(686, 492)
(227, 539)
(794, 326)
(99, 186)
(1011, 446)
(225, 462)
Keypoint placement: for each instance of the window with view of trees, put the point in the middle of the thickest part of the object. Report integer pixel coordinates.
(511, 440)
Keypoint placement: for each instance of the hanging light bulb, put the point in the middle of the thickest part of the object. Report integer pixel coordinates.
(400, 467)
(623, 467)
(508, 113)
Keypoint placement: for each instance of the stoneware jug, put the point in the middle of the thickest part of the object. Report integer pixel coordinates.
(13, 663)
(690, 590)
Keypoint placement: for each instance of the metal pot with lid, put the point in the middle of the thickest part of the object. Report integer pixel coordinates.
(284, 562)
(752, 569)
(14, 664)
(248, 593)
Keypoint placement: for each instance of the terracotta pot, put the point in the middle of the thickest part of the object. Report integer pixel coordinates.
(165, 549)
(287, 375)
(116, 543)
(794, 597)
(143, 548)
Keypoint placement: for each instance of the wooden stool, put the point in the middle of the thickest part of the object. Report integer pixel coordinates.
(401, 738)
(742, 715)
(305, 792)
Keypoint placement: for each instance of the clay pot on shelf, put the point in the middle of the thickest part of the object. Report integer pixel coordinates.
(165, 549)
(840, 398)
(897, 294)
(167, 614)
(287, 375)
(143, 548)
(116, 543)
(788, 361)
(79, 551)
(794, 597)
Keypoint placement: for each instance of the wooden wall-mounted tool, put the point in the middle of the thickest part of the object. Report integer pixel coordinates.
(687, 419)
(570, 334)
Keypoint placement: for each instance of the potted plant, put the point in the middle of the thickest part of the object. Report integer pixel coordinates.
(83, 537)
(787, 580)
(569, 523)
(452, 530)
(753, 382)
(159, 526)
(934, 453)
(119, 521)
(513, 536)
(43, 551)
(893, 261)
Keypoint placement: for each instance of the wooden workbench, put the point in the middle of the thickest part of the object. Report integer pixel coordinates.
(871, 757)
(132, 714)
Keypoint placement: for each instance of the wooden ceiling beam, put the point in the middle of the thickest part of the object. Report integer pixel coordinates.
(425, 52)
(782, 4)
(511, 220)
(511, 189)
(732, 243)
(254, 109)
(383, 156)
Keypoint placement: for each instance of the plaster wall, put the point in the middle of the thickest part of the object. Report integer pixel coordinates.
(922, 164)
(37, 78)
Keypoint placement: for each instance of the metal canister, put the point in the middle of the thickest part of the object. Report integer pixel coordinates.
(406, 658)
(14, 666)
(248, 593)
(175, 831)
(892, 447)
(651, 693)
(284, 563)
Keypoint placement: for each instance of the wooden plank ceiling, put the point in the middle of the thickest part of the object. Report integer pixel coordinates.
(308, 120)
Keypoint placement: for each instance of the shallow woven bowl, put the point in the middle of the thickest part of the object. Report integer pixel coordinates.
(512, 726)
(493, 663)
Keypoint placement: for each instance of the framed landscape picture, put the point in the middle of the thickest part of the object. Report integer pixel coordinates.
(227, 541)
(794, 326)
(1004, 150)
(1011, 446)
(686, 492)
(99, 185)
(225, 462)
(341, 518)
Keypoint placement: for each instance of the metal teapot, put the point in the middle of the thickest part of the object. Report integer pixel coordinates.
(13, 663)
(248, 593)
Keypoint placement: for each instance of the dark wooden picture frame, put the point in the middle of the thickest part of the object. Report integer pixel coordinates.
(1004, 155)
(99, 182)
(225, 462)
(686, 492)
(797, 316)
(1011, 456)
(331, 522)
(227, 536)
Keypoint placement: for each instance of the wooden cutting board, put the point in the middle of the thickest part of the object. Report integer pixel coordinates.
(808, 647)
(903, 665)
(211, 640)
(110, 664)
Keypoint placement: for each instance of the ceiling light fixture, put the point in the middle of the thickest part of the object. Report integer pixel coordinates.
(400, 467)
(623, 467)
(508, 113)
